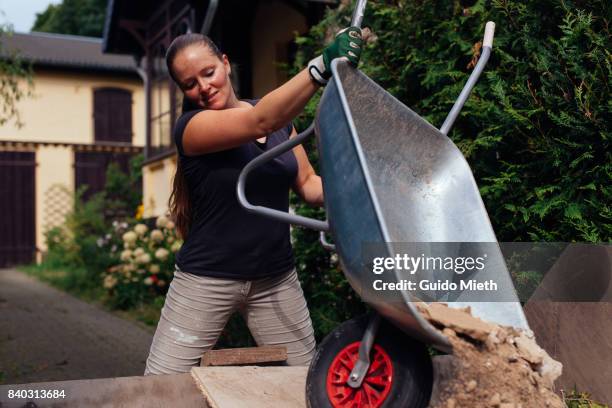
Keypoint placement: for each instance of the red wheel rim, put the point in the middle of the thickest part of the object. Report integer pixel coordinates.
(376, 384)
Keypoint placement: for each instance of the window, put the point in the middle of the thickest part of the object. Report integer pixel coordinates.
(112, 115)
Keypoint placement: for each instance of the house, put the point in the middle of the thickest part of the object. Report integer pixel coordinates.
(145, 29)
(87, 109)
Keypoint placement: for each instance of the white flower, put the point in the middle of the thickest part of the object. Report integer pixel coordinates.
(115, 224)
(170, 225)
(129, 237)
(148, 281)
(161, 222)
(154, 268)
(170, 240)
(175, 246)
(107, 237)
(138, 251)
(100, 242)
(110, 281)
(126, 255)
(143, 259)
(162, 254)
(140, 229)
(157, 235)
(114, 248)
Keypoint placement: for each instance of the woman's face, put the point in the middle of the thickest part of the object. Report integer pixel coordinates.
(203, 77)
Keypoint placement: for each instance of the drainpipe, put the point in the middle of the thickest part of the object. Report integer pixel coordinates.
(142, 73)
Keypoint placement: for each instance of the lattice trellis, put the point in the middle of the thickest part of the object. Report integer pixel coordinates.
(58, 201)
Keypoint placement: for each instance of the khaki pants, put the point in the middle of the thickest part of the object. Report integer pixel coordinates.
(198, 307)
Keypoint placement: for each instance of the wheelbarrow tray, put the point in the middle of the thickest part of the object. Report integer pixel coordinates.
(391, 177)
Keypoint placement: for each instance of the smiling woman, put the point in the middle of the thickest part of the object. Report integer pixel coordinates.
(233, 260)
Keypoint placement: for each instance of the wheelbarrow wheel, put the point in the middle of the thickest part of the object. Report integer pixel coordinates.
(400, 374)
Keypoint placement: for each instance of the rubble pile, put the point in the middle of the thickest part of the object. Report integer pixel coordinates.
(491, 365)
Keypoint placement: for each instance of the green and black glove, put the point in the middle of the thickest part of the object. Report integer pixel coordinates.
(347, 44)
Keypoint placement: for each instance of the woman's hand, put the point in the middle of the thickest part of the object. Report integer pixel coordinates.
(347, 44)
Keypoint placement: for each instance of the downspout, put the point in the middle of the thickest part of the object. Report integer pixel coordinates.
(210, 15)
(142, 73)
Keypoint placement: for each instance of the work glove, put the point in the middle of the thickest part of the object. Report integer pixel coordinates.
(347, 44)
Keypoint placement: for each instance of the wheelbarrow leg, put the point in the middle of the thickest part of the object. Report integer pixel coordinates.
(363, 363)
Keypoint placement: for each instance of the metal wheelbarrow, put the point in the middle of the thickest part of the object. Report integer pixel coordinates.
(389, 177)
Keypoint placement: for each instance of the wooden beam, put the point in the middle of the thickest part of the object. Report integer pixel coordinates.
(252, 387)
(245, 356)
(136, 28)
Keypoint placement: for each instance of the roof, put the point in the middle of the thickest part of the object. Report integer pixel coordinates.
(65, 51)
(117, 40)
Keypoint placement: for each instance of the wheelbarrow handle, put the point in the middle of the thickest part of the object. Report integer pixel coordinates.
(489, 32)
(487, 44)
(271, 212)
(325, 243)
(358, 13)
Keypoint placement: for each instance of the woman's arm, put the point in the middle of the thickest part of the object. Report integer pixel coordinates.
(307, 184)
(214, 130)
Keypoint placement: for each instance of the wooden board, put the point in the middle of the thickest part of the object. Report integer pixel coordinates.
(252, 387)
(579, 335)
(444, 371)
(244, 356)
(571, 325)
(154, 391)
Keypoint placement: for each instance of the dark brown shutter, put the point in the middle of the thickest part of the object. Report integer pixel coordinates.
(112, 115)
(17, 208)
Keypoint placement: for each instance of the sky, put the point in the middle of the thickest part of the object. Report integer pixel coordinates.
(22, 13)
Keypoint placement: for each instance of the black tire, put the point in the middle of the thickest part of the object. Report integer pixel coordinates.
(412, 369)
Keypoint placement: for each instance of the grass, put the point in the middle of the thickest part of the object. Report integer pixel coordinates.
(576, 399)
(77, 282)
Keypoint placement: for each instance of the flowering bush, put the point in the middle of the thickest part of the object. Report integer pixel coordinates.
(146, 263)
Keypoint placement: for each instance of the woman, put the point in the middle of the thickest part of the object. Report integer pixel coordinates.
(233, 260)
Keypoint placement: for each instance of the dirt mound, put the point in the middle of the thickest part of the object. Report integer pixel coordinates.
(492, 365)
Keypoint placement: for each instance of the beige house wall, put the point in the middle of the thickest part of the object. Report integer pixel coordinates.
(61, 108)
(157, 180)
(61, 111)
(54, 188)
(269, 43)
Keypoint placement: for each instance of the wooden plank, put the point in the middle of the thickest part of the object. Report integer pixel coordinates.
(571, 316)
(252, 387)
(175, 390)
(579, 335)
(244, 356)
(444, 371)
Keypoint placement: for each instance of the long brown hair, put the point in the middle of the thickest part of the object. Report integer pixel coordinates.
(179, 202)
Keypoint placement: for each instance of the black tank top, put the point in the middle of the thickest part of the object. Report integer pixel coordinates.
(225, 240)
